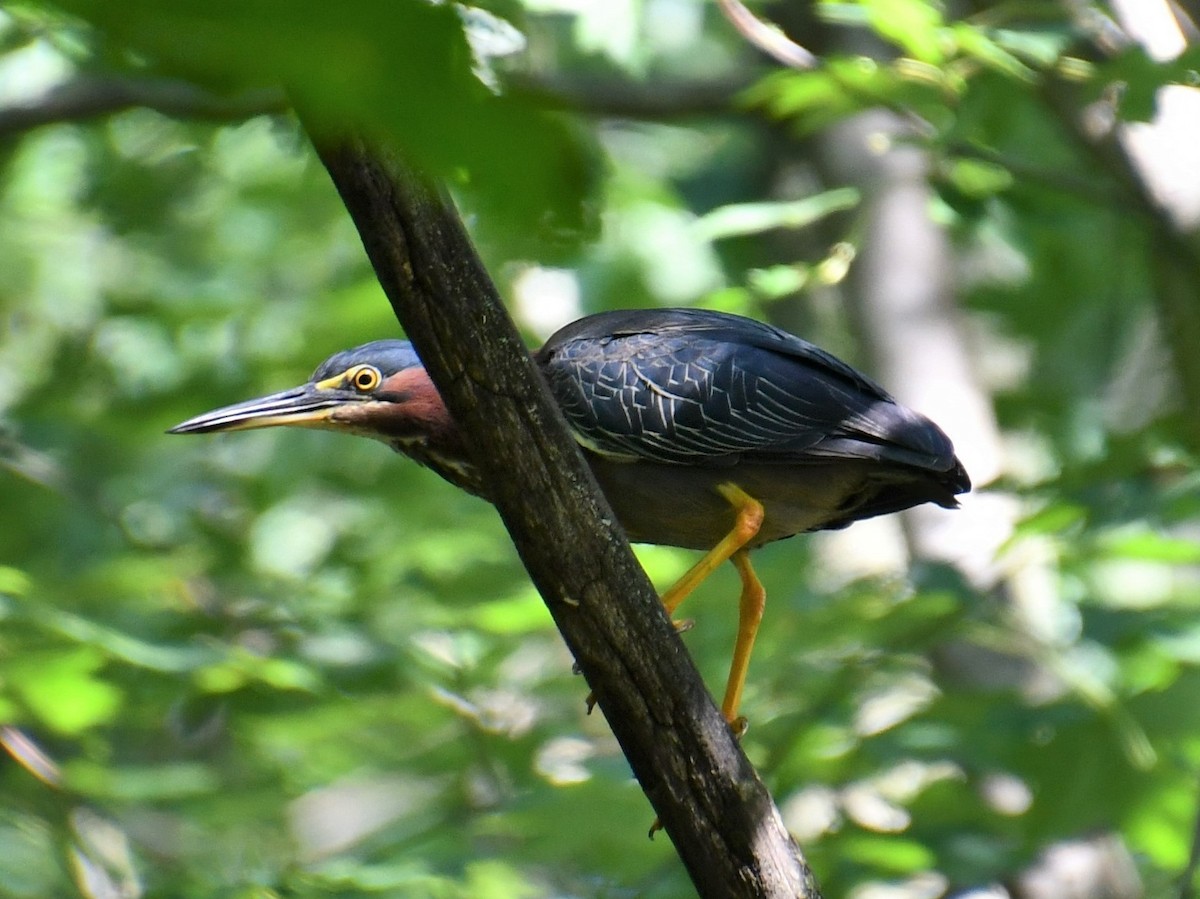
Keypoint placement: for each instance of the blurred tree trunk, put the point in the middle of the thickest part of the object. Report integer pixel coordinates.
(1153, 165)
(1159, 159)
(901, 293)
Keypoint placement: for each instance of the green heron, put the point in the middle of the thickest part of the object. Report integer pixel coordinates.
(704, 430)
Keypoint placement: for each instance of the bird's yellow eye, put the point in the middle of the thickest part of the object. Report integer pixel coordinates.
(365, 378)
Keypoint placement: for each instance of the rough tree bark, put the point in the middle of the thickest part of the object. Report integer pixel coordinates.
(709, 799)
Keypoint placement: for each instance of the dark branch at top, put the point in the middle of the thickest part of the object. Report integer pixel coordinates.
(92, 97)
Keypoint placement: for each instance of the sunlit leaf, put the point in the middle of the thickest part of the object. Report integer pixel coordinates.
(891, 853)
(779, 280)
(977, 178)
(753, 218)
(1152, 547)
(913, 24)
(1054, 518)
(63, 689)
(521, 614)
(13, 581)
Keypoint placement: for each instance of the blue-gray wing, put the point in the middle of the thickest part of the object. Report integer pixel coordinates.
(695, 387)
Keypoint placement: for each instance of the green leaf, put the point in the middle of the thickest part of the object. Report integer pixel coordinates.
(739, 219)
(495, 879)
(121, 645)
(896, 854)
(1149, 546)
(977, 178)
(410, 876)
(1054, 518)
(14, 582)
(242, 668)
(779, 280)
(62, 690)
(983, 47)
(521, 614)
(915, 25)
(1041, 46)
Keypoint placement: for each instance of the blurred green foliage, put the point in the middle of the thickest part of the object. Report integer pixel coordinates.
(291, 664)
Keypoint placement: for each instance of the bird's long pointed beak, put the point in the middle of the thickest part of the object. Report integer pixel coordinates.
(306, 406)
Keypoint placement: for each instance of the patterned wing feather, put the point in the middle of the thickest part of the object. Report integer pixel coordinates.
(697, 387)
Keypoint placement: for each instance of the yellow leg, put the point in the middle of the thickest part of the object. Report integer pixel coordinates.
(750, 611)
(745, 526)
(748, 520)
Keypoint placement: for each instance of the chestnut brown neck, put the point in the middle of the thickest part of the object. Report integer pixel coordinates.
(419, 425)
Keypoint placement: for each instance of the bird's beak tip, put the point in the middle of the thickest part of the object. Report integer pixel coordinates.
(301, 406)
(206, 424)
(192, 426)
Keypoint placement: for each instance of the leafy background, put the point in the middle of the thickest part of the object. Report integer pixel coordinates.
(292, 664)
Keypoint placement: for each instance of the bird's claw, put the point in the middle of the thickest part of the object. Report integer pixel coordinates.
(683, 625)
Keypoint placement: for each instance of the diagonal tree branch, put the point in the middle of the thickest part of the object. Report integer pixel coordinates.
(711, 803)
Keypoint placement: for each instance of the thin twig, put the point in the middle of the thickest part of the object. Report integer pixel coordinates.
(767, 37)
(1187, 16)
